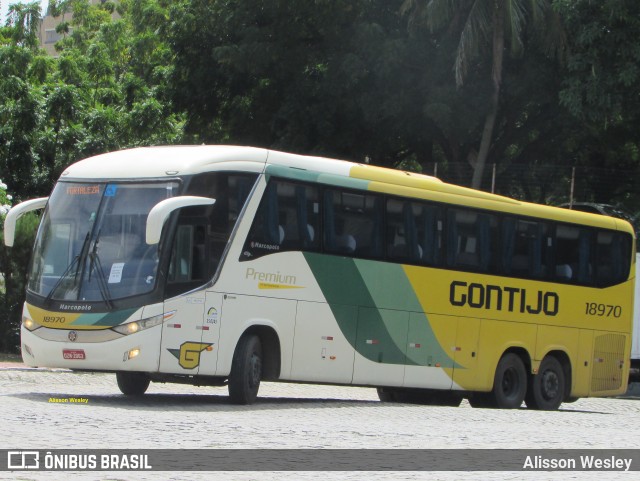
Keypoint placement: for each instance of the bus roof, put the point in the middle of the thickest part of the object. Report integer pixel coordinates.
(171, 161)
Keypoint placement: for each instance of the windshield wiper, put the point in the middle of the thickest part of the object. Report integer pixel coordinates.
(75, 260)
(94, 260)
(94, 255)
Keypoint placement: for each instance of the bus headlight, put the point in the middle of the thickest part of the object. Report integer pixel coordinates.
(29, 324)
(136, 326)
(131, 354)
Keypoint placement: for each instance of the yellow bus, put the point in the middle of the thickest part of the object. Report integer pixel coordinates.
(223, 265)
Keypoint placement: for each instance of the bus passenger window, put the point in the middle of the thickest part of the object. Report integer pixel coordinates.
(430, 228)
(585, 271)
(402, 241)
(612, 258)
(299, 215)
(287, 220)
(526, 248)
(414, 232)
(471, 240)
(567, 253)
(353, 224)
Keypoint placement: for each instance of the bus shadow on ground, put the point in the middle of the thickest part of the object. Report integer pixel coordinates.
(191, 402)
(222, 403)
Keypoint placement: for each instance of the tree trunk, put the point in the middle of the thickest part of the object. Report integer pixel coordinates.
(496, 76)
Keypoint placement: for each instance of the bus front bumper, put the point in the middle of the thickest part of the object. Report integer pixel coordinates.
(135, 352)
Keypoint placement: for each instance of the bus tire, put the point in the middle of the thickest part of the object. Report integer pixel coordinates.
(547, 388)
(132, 383)
(509, 384)
(246, 370)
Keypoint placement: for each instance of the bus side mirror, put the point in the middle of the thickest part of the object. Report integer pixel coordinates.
(160, 212)
(18, 211)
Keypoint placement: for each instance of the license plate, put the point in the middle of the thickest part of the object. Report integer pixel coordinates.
(73, 354)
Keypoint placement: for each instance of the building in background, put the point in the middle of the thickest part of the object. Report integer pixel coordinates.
(48, 29)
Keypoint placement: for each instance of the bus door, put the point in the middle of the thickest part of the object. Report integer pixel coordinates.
(191, 327)
(209, 342)
(181, 351)
(191, 333)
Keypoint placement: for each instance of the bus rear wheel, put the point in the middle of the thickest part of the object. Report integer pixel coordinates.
(509, 385)
(246, 370)
(547, 388)
(132, 383)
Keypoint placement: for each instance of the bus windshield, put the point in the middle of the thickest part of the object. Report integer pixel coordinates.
(91, 245)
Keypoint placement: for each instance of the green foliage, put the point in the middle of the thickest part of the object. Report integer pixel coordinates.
(5, 199)
(353, 79)
(334, 77)
(13, 269)
(604, 61)
(13, 273)
(24, 20)
(599, 89)
(105, 91)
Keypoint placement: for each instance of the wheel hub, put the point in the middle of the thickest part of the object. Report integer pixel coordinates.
(550, 385)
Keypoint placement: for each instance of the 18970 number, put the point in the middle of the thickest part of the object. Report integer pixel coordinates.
(603, 310)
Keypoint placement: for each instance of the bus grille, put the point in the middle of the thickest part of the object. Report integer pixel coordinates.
(608, 363)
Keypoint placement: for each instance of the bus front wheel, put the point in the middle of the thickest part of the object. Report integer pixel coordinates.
(246, 370)
(547, 388)
(132, 383)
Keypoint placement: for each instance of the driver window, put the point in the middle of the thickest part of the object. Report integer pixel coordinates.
(188, 265)
(188, 256)
(181, 267)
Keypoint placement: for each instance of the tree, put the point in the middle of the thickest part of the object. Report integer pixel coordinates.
(485, 27)
(13, 270)
(25, 22)
(335, 78)
(105, 91)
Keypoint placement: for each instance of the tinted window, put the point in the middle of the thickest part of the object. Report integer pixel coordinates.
(203, 231)
(471, 240)
(353, 223)
(414, 232)
(527, 247)
(296, 216)
(287, 219)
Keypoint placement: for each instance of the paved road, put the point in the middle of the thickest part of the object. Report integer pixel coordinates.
(287, 416)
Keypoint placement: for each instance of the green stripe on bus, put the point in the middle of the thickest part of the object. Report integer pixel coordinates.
(316, 177)
(110, 319)
(342, 285)
(387, 313)
(390, 288)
